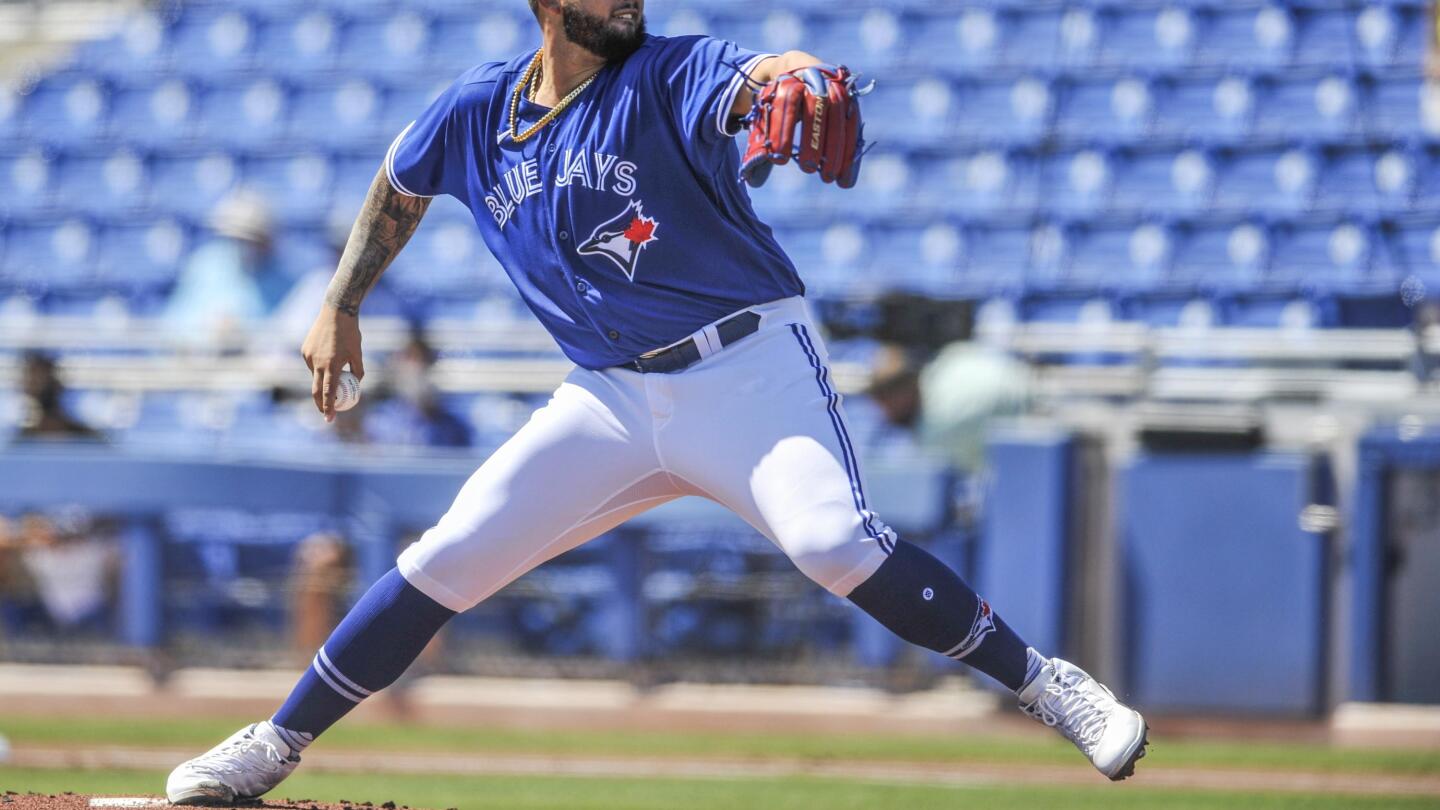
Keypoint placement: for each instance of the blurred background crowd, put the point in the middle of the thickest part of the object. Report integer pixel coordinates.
(1133, 301)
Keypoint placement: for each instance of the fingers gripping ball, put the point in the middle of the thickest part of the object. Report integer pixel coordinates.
(810, 115)
(347, 391)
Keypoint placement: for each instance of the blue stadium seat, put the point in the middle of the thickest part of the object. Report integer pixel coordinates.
(340, 114)
(1001, 110)
(971, 40)
(382, 45)
(918, 113)
(1221, 257)
(1415, 242)
(1162, 181)
(1348, 180)
(463, 41)
(138, 255)
(989, 181)
(833, 260)
(250, 114)
(142, 47)
(1387, 35)
(1079, 37)
(872, 41)
(406, 100)
(298, 46)
(1324, 36)
(103, 184)
(1075, 183)
(923, 258)
(445, 256)
(300, 249)
(1246, 36)
(1028, 36)
(210, 41)
(189, 185)
(1251, 180)
(790, 194)
(1344, 256)
(151, 113)
(1119, 256)
(1152, 37)
(48, 255)
(1402, 105)
(1104, 109)
(354, 172)
(1292, 107)
(68, 109)
(1204, 109)
(27, 182)
(12, 117)
(297, 186)
(995, 258)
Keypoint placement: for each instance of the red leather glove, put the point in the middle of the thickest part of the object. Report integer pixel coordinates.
(823, 103)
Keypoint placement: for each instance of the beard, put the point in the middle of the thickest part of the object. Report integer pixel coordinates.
(611, 42)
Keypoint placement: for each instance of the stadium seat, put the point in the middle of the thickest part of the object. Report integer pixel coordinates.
(385, 44)
(102, 184)
(873, 41)
(1402, 105)
(914, 114)
(1349, 179)
(1415, 243)
(1299, 107)
(137, 255)
(297, 186)
(296, 46)
(190, 185)
(1203, 109)
(250, 114)
(970, 40)
(12, 117)
(1025, 36)
(989, 110)
(211, 42)
(142, 47)
(995, 259)
(463, 41)
(1246, 36)
(67, 110)
(1260, 180)
(1343, 256)
(1324, 36)
(48, 254)
(922, 258)
(27, 182)
(988, 181)
(1220, 256)
(1079, 40)
(1153, 37)
(1104, 109)
(833, 260)
(1118, 256)
(152, 114)
(340, 115)
(1162, 181)
(1075, 183)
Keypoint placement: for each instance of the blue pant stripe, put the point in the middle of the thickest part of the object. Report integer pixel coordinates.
(852, 467)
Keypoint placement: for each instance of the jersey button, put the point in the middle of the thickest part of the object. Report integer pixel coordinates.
(613, 335)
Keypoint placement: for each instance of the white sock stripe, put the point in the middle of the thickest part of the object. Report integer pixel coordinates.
(332, 683)
(340, 676)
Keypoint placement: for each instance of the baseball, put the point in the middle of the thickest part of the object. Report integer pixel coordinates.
(347, 391)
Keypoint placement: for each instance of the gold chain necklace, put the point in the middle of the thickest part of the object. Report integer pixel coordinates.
(531, 72)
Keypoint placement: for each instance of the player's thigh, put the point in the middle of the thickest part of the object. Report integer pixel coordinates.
(573, 471)
(769, 440)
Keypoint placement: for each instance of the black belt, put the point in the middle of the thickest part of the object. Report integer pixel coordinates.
(686, 353)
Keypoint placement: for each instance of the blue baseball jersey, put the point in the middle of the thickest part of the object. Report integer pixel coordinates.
(621, 222)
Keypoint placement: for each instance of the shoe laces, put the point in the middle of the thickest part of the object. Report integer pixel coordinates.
(245, 755)
(1077, 712)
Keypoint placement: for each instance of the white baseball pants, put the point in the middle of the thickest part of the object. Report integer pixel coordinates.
(756, 426)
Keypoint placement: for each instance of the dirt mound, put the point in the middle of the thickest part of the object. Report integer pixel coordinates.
(11, 800)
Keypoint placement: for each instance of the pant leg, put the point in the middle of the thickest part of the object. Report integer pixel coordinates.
(583, 464)
(759, 428)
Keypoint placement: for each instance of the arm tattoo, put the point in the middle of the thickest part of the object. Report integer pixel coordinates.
(385, 224)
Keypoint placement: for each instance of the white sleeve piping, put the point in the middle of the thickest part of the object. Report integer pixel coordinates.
(390, 165)
(732, 90)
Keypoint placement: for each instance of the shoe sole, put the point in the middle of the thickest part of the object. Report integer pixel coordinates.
(1128, 769)
(205, 797)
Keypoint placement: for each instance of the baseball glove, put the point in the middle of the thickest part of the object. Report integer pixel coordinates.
(824, 103)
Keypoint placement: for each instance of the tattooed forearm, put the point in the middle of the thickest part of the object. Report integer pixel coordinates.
(385, 224)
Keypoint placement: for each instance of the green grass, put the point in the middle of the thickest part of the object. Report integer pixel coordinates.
(566, 793)
(201, 733)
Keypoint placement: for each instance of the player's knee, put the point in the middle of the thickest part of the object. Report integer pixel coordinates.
(836, 565)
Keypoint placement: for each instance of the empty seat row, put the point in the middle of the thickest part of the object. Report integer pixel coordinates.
(207, 39)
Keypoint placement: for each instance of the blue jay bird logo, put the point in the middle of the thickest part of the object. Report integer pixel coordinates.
(622, 238)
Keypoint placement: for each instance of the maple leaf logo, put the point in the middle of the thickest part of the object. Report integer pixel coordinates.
(621, 238)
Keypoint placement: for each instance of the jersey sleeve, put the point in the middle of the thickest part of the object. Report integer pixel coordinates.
(704, 76)
(427, 158)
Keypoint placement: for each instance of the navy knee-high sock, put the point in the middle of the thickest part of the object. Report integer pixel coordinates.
(376, 641)
(924, 602)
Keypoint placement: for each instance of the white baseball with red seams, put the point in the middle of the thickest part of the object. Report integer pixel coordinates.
(347, 391)
(755, 426)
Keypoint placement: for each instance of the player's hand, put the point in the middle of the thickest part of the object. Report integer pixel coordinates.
(333, 343)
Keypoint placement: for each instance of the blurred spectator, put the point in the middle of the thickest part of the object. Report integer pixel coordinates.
(409, 411)
(73, 562)
(232, 282)
(894, 389)
(45, 416)
(20, 608)
(962, 390)
(320, 585)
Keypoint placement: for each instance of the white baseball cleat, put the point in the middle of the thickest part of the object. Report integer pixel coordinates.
(1112, 735)
(248, 764)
